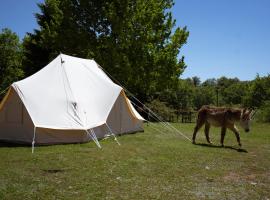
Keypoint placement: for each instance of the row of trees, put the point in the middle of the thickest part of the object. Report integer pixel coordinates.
(191, 94)
(136, 41)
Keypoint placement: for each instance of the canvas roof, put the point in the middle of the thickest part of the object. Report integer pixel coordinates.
(69, 93)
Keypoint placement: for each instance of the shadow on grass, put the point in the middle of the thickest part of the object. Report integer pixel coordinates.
(4, 143)
(53, 171)
(225, 147)
(10, 144)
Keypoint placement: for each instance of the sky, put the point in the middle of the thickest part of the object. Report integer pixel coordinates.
(226, 37)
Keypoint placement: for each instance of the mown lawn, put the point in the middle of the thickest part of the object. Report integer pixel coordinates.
(149, 165)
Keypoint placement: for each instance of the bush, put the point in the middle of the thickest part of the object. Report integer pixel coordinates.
(263, 114)
(162, 110)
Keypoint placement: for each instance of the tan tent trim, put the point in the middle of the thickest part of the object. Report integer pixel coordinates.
(128, 105)
(5, 98)
(70, 129)
(62, 129)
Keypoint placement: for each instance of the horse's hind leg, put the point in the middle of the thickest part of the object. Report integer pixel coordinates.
(236, 132)
(196, 129)
(206, 132)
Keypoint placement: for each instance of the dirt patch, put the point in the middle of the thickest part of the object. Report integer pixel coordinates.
(232, 176)
(252, 177)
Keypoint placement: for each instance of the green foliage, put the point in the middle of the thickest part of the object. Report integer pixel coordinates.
(264, 112)
(133, 40)
(235, 93)
(185, 95)
(162, 110)
(47, 42)
(137, 43)
(204, 95)
(224, 82)
(196, 81)
(259, 92)
(210, 82)
(179, 98)
(10, 59)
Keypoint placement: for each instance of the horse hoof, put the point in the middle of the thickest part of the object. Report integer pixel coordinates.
(193, 142)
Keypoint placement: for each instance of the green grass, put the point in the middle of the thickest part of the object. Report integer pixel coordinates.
(149, 165)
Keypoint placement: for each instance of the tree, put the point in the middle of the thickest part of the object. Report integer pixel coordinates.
(259, 92)
(204, 96)
(222, 84)
(185, 95)
(57, 33)
(164, 112)
(133, 40)
(10, 59)
(210, 82)
(264, 113)
(235, 93)
(196, 81)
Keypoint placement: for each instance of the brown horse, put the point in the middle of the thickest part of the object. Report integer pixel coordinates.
(224, 118)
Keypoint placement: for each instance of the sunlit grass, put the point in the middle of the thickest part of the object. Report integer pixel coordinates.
(156, 164)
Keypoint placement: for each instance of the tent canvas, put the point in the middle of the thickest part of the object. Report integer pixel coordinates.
(71, 100)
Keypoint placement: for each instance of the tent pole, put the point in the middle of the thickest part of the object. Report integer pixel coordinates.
(34, 138)
(115, 138)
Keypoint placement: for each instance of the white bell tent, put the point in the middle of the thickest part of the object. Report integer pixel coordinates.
(71, 100)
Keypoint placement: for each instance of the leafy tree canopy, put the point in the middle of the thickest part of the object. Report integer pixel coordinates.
(10, 59)
(133, 40)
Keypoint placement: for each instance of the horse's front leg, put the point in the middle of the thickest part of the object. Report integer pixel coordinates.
(206, 132)
(223, 133)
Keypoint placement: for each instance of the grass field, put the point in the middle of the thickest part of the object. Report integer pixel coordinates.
(149, 165)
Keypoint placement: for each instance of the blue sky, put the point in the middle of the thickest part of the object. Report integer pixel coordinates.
(227, 37)
(18, 15)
